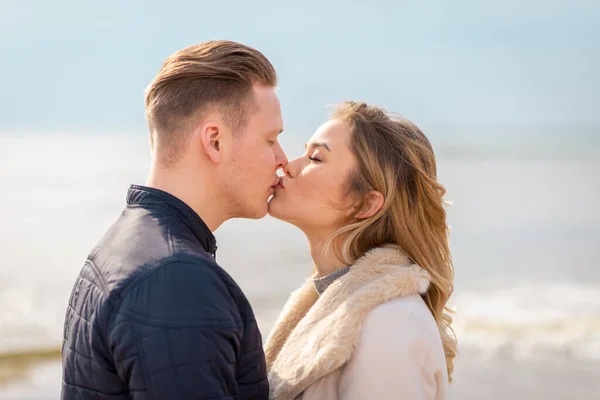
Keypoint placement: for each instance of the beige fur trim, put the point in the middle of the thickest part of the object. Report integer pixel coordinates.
(294, 310)
(314, 335)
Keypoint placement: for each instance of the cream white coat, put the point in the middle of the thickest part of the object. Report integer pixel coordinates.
(368, 336)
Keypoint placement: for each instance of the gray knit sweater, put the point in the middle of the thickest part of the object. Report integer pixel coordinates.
(323, 283)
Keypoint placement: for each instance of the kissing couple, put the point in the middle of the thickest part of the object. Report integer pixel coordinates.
(152, 315)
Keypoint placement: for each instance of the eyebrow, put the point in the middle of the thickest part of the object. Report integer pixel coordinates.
(318, 144)
(276, 132)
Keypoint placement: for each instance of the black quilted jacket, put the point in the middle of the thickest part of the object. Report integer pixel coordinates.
(152, 315)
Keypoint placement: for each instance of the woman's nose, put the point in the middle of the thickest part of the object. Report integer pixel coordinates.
(291, 168)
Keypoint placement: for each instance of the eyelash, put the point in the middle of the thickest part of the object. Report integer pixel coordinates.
(314, 159)
(271, 142)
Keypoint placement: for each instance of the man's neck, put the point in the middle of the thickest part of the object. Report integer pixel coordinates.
(198, 196)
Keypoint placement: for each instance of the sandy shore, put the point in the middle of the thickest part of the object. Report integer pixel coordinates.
(497, 379)
(494, 379)
(18, 365)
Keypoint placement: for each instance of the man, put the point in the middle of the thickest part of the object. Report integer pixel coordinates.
(152, 315)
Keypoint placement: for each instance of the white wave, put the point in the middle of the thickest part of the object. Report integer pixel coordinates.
(531, 321)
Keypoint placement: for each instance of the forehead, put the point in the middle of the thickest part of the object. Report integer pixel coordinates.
(335, 133)
(267, 116)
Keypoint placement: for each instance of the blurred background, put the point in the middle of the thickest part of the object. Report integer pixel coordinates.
(507, 91)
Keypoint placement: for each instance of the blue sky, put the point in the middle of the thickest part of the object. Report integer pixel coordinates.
(82, 66)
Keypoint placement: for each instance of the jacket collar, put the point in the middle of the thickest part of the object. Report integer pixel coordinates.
(315, 336)
(147, 197)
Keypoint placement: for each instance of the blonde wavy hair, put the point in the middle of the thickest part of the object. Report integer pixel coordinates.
(395, 158)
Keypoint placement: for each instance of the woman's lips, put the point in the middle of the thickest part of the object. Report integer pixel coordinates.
(280, 184)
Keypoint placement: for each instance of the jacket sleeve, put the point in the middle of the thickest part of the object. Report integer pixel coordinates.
(391, 360)
(176, 334)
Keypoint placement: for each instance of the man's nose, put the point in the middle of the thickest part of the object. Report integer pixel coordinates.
(286, 170)
(280, 158)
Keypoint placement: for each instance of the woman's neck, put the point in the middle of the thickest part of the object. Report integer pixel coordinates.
(325, 260)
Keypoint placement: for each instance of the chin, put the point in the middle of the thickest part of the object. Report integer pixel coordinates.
(277, 210)
(257, 211)
(273, 207)
(260, 212)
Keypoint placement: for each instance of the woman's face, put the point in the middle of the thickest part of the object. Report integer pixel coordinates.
(313, 193)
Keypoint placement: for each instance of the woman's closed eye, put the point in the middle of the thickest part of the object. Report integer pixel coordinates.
(313, 158)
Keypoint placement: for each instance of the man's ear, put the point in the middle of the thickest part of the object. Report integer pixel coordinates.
(372, 205)
(211, 135)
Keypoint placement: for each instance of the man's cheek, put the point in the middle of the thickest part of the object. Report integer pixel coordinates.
(267, 161)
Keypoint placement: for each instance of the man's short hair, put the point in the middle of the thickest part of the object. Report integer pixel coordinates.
(214, 75)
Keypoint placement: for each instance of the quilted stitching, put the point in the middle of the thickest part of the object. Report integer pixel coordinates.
(120, 344)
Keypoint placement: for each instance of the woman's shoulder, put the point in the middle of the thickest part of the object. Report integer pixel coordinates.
(399, 342)
(408, 315)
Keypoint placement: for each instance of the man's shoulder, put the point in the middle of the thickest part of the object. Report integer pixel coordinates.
(157, 271)
(193, 267)
(181, 288)
(140, 245)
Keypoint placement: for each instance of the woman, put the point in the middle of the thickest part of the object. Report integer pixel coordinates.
(372, 322)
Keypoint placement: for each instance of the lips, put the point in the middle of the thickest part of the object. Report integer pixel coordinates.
(276, 184)
(280, 183)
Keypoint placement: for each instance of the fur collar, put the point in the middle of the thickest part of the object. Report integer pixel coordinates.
(315, 335)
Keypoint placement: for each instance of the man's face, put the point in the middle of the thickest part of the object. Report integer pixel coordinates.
(255, 157)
